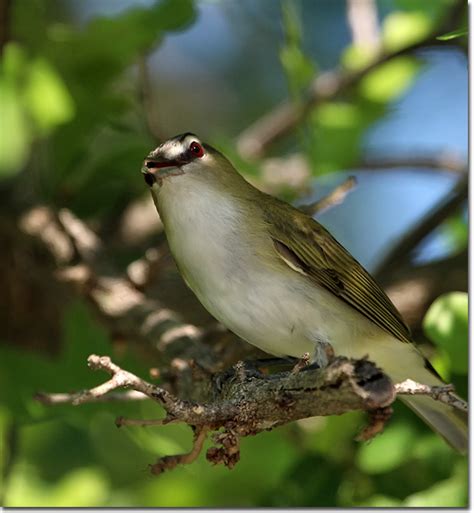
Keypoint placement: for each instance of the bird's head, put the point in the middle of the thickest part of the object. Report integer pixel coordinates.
(181, 155)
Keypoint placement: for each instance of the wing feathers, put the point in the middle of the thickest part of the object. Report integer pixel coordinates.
(311, 250)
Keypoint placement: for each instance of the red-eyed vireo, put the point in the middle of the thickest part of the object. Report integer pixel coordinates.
(276, 277)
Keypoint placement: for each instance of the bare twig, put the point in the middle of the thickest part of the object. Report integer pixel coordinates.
(335, 197)
(131, 395)
(170, 462)
(363, 22)
(245, 404)
(451, 163)
(238, 387)
(444, 394)
(122, 421)
(403, 248)
(120, 378)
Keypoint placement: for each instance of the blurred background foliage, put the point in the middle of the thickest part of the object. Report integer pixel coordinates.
(87, 88)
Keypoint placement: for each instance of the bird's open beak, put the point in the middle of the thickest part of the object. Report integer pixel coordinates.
(155, 166)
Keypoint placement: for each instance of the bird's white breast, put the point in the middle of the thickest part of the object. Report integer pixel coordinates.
(276, 310)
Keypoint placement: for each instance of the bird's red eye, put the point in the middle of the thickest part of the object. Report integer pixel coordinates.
(196, 149)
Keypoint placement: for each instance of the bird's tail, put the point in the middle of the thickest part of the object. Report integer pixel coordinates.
(401, 361)
(450, 423)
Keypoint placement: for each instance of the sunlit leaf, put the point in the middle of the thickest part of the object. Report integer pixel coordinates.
(456, 231)
(299, 68)
(14, 62)
(390, 80)
(387, 451)
(461, 32)
(401, 29)
(47, 98)
(345, 123)
(84, 487)
(16, 136)
(338, 115)
(381, 501)
(356, 57)
(446, 323)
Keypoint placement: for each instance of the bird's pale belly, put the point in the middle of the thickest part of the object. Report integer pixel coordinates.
(279, 312)
(261, 300)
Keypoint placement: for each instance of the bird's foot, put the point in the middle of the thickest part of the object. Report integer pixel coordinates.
(323, 355)
(301, 364)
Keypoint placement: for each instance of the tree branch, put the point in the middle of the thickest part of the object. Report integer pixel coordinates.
(335, 197)
(126, 310)
(245, 402)
(362, 19)
(410, 240)
(444, 394)
(414, 288)
(255, 140)
(238, 402)
(442, 162)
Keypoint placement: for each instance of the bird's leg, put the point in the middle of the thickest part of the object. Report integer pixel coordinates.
(301, 364)
(322, 357)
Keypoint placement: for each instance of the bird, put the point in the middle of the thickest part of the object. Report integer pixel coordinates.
(277, 278)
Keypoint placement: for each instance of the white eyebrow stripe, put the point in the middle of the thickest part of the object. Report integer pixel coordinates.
(173, 148)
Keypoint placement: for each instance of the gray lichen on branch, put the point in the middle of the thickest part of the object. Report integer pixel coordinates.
(243, 401)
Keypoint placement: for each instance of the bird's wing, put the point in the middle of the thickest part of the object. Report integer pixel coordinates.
(310, 249)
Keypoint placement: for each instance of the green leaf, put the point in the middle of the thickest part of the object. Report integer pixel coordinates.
(83, 487)
(380, 501)
(460, 32)
(446, 323)
(338, 115)
(109, 44)
(33, 101)
(387, 451)
(434, 9)
(14, 62)
(401, 29)
(47, 97)
(356, 57)
(82, 336)
(451, 492)
(456, 231)
(299, 69)
(102, 50)
(345, 123)
(335, 435)
(16, 136)
(390, 80)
